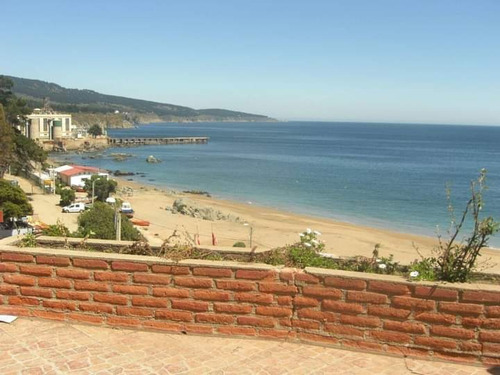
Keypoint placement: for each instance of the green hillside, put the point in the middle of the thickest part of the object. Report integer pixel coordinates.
(82, 102)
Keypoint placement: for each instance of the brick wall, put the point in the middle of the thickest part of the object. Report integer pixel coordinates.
(344, 309)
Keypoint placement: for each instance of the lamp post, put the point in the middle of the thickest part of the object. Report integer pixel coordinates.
(93, 188)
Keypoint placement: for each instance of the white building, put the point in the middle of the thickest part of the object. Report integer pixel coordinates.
(48, 125)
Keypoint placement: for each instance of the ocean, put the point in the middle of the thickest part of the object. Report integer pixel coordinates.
(391, 176)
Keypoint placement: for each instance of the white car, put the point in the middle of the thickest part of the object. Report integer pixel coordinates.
(74, 207)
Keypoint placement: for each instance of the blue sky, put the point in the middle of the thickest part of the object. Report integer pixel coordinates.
(429, 61)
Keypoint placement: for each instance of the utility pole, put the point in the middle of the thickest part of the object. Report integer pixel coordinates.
(93, 188)
(251, 235)
(119, 227)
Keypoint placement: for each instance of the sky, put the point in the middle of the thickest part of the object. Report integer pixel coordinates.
(425, 61)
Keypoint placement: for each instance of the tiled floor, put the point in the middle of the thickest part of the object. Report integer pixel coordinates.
(45, 347)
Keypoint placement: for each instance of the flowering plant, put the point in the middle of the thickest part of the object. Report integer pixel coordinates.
(309, 239)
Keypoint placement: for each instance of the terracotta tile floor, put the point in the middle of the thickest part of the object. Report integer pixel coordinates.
(45, 347)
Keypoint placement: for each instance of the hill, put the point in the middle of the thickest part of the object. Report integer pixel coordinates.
(116, 111)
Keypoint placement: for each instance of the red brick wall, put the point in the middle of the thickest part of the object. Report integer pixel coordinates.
(350, 310)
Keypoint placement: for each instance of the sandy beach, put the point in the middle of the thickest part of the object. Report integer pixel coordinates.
(267, 227)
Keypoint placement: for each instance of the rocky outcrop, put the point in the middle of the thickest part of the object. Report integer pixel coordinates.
(152, 159)
(188, 207)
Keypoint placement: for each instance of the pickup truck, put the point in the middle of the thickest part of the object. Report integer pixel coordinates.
(74, 207)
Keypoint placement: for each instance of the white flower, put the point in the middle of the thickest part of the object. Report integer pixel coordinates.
(327, 255)
(316, 242)
(382, 266)
(317, 233)
(301, 234)
(307, 244)
(308, 230)
(378, 260)
(414, 274)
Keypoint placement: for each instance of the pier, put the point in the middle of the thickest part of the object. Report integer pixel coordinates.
(156, 141)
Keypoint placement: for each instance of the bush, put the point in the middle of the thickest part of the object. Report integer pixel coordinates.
(57, 230)
(13, 201)
(67, 197)
(102, 187)
(99, 222)
(239, 244)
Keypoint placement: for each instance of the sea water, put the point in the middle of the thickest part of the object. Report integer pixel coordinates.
(390, 176)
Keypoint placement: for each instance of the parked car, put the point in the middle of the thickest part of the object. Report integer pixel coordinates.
(74, 207)
(127, 209)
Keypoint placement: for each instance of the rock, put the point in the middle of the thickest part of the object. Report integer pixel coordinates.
(187, 207)
(152, 159)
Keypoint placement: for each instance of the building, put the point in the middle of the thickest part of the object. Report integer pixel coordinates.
(77, 174)
(47, 125)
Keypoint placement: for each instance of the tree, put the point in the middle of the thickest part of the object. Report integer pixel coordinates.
(95, 130)
(6, 143)
(99, 222)
(102, 187)
(13, 201)
(67, 197)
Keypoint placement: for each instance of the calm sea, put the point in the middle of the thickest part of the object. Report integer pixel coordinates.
(383, 175)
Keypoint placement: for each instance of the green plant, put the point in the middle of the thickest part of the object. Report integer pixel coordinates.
(102, 187)
(28, 240)
(13, 201)
(424, 269)
(67, 197)
(57, 230)
(239, 244)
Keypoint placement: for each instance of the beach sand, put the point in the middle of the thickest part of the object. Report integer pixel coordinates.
(268, 227)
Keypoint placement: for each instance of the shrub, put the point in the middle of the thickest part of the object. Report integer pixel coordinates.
(239, 244)
(13, 201)
(67, 197)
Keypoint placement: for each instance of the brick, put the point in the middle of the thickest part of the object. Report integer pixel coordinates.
(317, 291)
(54, 283)
(285, 322)
(147, 278)
(493, 311)
(311, 337)
(284, 300)
(275, 333)
(345, 283)
(59, 305)
(36, 292)
(273, 311)
(212, 272)
(491, 323)
(342, 307)
(73, 274)
(429, 292)
(6, 290)
(19, 280)
(134, 311)
(388, 312)
(316, 315)
(190, 305)
(237, 331)
(287, 276)
(173, 270)
(407, 327)
(255, 321)
(53, 260)
(368, 297)
(470, 347)
(490, 361)
(164, 326)
(388, 336)
(259, 298)
(455, 357)
(130, 289)
(111, 276)
(413, 303)
(472, 322)
(244, 286)
(30, 301)
(95, 319)
(192, 282)
(128, 266)
(305, 324)
(78, 296)
(435, 343)
(342, 330)
(122, 321)
(91, 263)
(456, 333)
(255, 275)
(360, 321)
(461, 308)
(198, 329)
(211, 295)
(363, 345)
(277, 288)
(388, 287)
(8, 267)
(480, 296)
(36, 270)
(52, 315)
(15, 257)
(489, 336)
(113, 299)
(96, 307)
(214, 318)
(91, 285)
(233, 309)
(170, 292)
(15, 310)
(435, 318)
(306, 278)
(305, 301)
(179, 316)
(149, 301)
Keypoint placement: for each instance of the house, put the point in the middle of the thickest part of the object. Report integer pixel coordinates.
(47, 125)
(76, 175)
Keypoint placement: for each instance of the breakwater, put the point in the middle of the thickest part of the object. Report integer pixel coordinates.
(156, 141)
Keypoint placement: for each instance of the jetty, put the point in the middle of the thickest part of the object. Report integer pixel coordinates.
(156, 141)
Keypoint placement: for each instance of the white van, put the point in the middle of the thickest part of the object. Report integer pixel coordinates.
(74, 207)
